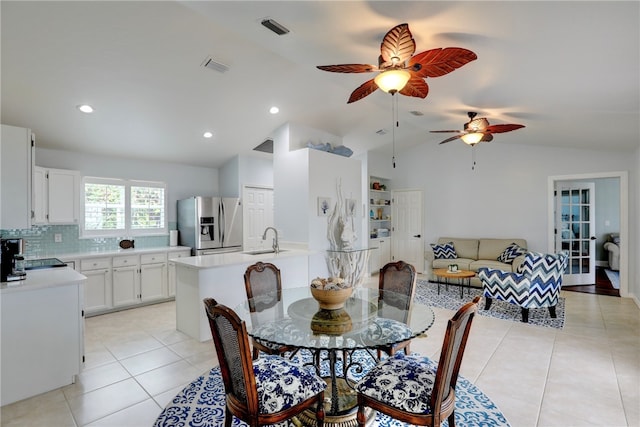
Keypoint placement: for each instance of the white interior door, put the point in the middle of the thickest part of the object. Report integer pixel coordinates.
(407, 228)
(257, 215)
(575, 230)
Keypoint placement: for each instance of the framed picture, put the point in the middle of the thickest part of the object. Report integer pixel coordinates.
(351, 207)
(324, 206)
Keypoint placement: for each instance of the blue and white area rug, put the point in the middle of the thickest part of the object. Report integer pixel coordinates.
(202, 402)
(427, 293)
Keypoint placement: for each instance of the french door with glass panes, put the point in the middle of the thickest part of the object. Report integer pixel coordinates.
(575, 231)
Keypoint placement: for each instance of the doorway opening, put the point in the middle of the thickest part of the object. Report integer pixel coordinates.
(617, 217)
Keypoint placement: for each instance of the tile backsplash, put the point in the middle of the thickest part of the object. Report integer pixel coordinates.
(40, 241)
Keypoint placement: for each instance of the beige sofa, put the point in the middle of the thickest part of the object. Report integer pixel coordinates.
(475, 253)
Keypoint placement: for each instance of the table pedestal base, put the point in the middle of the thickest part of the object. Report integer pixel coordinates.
(308, 418)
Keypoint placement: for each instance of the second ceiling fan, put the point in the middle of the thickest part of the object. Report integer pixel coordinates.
(477, 130)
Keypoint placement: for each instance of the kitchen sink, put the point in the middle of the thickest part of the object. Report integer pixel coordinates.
(263, 251)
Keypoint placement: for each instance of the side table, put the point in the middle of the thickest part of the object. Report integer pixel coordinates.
(463, 278)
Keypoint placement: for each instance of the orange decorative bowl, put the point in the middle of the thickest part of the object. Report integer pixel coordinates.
(331, 299)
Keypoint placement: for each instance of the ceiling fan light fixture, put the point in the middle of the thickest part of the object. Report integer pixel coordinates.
(472, 138)
(392, 81)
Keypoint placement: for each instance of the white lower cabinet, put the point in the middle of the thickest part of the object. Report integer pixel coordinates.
(153, 281)
(98, 289)
(153, 276)
(126, 280)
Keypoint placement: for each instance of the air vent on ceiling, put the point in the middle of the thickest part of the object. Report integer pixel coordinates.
(382, 132)
(212, 64)
(417, 113)
(274, 26)
(266, 146)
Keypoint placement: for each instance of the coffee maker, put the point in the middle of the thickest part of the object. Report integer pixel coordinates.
(11, 260)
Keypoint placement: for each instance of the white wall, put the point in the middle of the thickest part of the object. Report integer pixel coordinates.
(182, 181)
(506, 195)
(634, 229)
(256, 171)
(229, 180)
(301, 175)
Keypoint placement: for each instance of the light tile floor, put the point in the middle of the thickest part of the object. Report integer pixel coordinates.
(586, 374)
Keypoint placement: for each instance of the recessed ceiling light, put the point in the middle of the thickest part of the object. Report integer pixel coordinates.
(85, 108)
(207, 135)
(274, 110)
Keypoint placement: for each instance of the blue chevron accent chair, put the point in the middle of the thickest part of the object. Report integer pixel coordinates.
(536, 284)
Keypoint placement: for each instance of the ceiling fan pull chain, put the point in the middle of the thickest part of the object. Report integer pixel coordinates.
(473, 157)
(394, 122)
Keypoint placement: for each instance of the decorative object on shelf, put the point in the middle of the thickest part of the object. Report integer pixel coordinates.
(376, 186)
(340, 150)
(126, 244)
(324, 205)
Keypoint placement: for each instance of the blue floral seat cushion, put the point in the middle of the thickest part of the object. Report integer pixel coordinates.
(282, 384)
(404, 382)
(386, 330)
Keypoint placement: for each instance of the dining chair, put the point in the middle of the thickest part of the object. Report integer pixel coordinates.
(397, 286)
(263, 285)
(268, 390)
(414, 390)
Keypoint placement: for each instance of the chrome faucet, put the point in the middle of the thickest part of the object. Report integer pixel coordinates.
(275, 246)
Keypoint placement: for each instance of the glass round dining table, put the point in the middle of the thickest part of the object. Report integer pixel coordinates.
(368, 321)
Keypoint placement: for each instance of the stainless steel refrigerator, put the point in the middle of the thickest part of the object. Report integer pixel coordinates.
(210, 224)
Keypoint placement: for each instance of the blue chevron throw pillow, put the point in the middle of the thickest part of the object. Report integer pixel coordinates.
(444, 251)
(512, 252)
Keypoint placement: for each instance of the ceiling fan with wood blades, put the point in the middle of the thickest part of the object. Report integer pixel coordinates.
(398, 64)
(477, 130)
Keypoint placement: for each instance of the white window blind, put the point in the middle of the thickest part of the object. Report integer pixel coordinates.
(114, 207)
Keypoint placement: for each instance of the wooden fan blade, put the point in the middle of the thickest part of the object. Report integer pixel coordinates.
(503, 128)
(397, 46)
(487, 137)
(367, 88)
(438, 62)
(453, 138)
(417, 87)
(348, 68)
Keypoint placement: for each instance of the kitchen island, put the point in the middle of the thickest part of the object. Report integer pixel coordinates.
(221, 276)
(42, 332)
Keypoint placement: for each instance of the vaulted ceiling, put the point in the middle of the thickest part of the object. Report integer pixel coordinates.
(568, 71)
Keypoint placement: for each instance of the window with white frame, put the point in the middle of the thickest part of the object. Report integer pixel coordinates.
(116, 207)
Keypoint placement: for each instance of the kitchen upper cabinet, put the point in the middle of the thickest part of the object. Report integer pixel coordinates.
(16, 168)
(56, 196)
